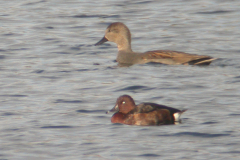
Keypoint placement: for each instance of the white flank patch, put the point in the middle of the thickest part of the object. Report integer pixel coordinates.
(177, 116)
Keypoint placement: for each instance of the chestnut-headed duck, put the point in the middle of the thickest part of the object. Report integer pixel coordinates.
(120, 34)
(144, 114)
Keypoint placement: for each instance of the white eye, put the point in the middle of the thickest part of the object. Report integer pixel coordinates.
(123, 102)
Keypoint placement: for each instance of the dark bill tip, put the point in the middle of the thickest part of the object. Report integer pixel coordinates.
(101, 41)
(114, 109)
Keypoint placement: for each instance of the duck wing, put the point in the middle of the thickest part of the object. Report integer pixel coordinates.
(175, 57)
(149, 107)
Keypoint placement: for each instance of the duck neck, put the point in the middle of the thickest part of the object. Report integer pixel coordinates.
(124, 45)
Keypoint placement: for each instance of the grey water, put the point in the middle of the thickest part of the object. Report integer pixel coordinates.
(55, 85)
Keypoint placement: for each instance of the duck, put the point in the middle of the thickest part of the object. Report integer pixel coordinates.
(120, 34)
(144, 114)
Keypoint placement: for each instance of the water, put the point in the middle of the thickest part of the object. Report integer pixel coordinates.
(56, 85)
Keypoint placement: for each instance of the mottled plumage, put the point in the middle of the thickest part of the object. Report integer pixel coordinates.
(143, 114)
(120, 34)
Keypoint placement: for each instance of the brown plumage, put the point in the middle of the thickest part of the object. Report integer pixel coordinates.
(143, 114)
(120, 34)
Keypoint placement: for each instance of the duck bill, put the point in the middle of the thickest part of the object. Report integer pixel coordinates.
(104, 39)
(114, 109)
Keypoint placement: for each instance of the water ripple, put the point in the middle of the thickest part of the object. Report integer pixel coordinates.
(38, 71)
(211, 122)
(90, 111)
(8, 114)
(14, 95)
(34, 3)
(67, 101)
(2, 57)
(214, 12)
(149, 155)
(57, 127)
(96, 16)
(134, 88)
(197, 134)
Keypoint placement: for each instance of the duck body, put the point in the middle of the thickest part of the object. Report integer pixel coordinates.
(162, 56)
(144, 114)
(120, 34)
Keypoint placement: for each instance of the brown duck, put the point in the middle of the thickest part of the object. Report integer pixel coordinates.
(120, 34)
(144, 114)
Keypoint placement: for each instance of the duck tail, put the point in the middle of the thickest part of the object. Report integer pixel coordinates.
(177, 115)
(204, 61)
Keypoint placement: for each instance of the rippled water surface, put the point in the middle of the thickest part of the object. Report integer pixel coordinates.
(56, 85)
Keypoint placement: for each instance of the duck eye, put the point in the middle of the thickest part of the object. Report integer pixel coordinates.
(123, 102)
(115, 30)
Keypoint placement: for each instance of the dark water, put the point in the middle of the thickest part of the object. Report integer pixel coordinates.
(56, 85)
